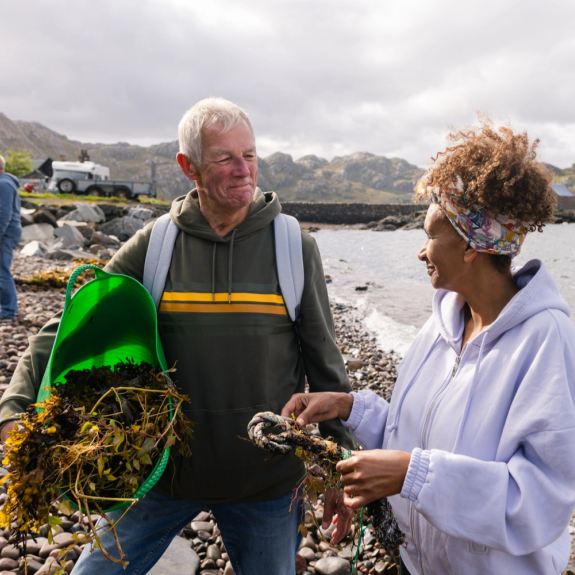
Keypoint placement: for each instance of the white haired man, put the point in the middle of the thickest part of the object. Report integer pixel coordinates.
(10, 233)
(222, 318)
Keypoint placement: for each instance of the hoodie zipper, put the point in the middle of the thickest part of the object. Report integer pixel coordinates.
(424, 445)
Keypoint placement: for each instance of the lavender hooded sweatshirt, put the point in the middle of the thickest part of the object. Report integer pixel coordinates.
(491, 428)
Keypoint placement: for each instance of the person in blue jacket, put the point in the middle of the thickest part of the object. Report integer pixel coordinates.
(476, 449)
(10, 233)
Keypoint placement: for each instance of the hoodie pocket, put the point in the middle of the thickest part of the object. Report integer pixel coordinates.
(225, 465)
(477, 549)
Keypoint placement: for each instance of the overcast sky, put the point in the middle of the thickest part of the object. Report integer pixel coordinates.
(325, 77)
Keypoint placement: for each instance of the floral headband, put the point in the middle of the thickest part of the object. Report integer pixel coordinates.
(492, 234)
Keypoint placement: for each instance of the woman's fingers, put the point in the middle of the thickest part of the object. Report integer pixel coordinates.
(315, 407)
(347, 465)
(295, 405)
(355, 502)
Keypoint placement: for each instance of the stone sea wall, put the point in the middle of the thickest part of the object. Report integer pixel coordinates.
(356, 213)
(339, 213)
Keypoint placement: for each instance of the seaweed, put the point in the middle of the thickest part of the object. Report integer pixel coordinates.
(320, 457)
(91, 444)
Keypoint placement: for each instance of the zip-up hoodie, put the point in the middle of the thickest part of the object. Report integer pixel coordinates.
(10, 226)
(223, 320)
(491, 427)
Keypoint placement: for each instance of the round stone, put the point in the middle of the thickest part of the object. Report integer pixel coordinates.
(332, 566)
(213, 552)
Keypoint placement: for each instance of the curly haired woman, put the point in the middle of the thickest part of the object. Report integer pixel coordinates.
(477, 448)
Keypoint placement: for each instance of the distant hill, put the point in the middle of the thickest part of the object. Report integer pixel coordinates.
(566, 176)
(360, 177)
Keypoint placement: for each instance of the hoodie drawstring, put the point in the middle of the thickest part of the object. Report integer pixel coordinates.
(230, 262)
(395, 423)
(214, 273)
(470, 394)
(230, 267)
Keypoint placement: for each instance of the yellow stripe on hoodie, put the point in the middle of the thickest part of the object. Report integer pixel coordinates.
(198, 302)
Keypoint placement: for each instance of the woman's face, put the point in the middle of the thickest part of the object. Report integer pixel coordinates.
(443, 252)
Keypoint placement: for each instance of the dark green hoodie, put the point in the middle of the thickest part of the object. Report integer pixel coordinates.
(223, 321)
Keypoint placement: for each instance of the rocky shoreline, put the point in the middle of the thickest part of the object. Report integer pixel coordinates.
(200, 549)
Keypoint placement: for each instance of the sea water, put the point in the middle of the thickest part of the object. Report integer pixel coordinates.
(398, 298)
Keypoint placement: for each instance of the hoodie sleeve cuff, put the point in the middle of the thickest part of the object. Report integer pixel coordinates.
(416, 474)
(357, 410)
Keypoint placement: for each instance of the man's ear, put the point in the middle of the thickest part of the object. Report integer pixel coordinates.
(187, 168)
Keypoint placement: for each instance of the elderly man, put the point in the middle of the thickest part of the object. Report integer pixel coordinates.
(233, 360)
(10, 233)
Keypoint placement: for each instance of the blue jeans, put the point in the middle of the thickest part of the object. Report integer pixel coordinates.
(260, 538)
(8, 299)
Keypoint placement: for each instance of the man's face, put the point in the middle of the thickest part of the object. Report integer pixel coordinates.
(229, 170)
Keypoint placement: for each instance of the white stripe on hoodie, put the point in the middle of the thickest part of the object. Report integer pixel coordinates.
(491, 483)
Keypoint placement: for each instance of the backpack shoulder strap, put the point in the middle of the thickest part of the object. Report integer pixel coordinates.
(289, 263)
(159, 256)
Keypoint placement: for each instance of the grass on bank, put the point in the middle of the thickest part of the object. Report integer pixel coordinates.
(87, 198)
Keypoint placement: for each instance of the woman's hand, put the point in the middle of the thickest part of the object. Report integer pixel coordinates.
(373, 474)
(316, 407)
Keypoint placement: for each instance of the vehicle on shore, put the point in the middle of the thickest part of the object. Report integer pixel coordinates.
(86, 177)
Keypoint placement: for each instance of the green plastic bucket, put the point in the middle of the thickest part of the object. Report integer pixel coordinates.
(110, 319)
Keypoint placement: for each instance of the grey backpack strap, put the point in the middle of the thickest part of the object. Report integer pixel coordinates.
(289, 262)
(159, 256)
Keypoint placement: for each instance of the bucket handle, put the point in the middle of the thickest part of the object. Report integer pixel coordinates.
(98, 272)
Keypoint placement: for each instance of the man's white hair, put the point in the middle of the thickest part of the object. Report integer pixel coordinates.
(203, 114)
(2, 163)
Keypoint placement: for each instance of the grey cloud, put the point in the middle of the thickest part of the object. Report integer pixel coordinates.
(316, 76)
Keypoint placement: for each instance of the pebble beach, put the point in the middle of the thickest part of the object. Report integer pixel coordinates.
(199, 547)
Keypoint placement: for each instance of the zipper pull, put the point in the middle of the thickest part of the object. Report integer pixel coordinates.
(454, 371)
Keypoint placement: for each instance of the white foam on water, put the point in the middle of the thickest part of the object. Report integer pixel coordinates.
(398, 297)
(390, 335)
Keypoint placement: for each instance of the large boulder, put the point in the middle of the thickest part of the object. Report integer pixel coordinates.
(86, 213)
(104, 240)
(69, 255)
(178, 559)
(26, 217)
(34, 248)
(123, 228)
(70, 232)
(112, 211)
(44, 216)
(40, 232)
(141, 213)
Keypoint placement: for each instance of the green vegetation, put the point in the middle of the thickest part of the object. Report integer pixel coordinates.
(87, 198)
(18, 163)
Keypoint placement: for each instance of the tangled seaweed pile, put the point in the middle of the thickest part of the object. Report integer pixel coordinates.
(320, 457)
(56, 278)
(91, 445)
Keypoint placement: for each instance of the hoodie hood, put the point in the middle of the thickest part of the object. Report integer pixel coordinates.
(14, 179)
(186, 214)
(538, 292)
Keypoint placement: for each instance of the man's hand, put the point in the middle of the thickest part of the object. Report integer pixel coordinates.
(334, 504)
(373, 474)
(316, 407)
(6, 430)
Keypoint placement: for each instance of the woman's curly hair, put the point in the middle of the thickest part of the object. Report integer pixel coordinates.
(500, 171)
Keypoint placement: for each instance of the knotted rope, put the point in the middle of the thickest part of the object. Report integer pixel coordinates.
(321, 457)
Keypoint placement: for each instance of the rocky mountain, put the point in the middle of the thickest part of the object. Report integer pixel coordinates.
(360, 177)
(566, 176)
